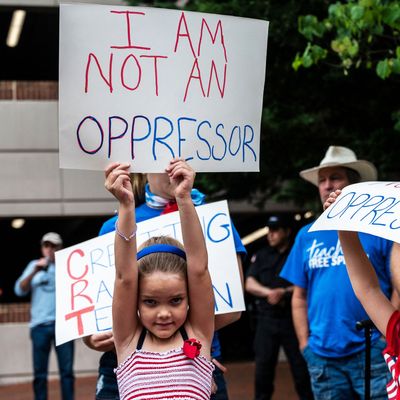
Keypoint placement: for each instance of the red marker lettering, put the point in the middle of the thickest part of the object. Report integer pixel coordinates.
(221, 90)
(79, 294)
(155, 69)
(184, 34)
(139, 73)
(192, 76)
(108, 81)
(86, 268)
(78, 314)
(128, 15)
(213, 38)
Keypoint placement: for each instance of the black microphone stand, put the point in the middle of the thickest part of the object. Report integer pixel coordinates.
(367, 325)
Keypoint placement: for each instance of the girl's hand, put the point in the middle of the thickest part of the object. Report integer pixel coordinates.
(118, 182)
(103, 341)
(181, 176)
(332, 198)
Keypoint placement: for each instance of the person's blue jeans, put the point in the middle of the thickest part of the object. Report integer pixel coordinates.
(43, 336)
(343, 378)
(107, 386)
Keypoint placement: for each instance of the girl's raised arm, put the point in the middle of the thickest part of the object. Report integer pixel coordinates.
(124, 307)
(201, 298)
(363, 276)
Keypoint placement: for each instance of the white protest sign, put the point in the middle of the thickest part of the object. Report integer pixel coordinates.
(85, 272)
(369, 207)
(144, 85)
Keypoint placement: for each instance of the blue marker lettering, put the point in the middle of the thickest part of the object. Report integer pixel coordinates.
(103, 288)
(337, 203)
(225, 226)
(161, 139)
(246, 142)
(369, 203)
(110, 136)
(203, 140)
(98, 253)
(385, 209)
(173, 228)
(103, 323)
(134, 137)
(180, 138)
(110, 252)
(394, 227)
(78, 133)
(231, 138)
(223, 139)
(227, 300)
(363, 199)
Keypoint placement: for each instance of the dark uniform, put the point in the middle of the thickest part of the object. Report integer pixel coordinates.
(275, 328)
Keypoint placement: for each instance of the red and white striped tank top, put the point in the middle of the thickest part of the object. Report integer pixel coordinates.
(170, 375)
(391, 354)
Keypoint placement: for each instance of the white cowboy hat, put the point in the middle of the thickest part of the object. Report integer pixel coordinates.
(337, 156)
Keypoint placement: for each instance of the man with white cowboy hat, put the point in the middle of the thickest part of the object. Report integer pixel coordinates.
(325, 309)
(338, 156)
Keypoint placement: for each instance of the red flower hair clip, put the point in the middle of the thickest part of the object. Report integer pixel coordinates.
(191, 348)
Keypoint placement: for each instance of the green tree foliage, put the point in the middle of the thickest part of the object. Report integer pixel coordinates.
(306, 110)
(355, 33)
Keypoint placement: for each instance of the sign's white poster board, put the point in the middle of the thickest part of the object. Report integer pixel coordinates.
(370, 207)
(144, 85)
(85, 272)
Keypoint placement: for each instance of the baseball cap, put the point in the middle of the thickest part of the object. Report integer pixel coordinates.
(52, 237)
(278, 221)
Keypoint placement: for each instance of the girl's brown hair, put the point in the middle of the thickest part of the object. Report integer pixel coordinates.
(138, 184)
(162, 262)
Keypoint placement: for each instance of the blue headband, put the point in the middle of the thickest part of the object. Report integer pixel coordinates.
(161, 248)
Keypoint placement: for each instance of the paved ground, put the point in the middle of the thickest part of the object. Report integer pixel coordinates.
(239, 378)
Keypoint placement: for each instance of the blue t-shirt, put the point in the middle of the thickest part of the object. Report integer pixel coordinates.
(143, 213)
(316, 263)
(43, 288)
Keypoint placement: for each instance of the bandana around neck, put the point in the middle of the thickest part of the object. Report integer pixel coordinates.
(154, 201)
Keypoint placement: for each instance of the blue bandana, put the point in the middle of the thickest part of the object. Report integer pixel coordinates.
(161, 248)
(154, 201)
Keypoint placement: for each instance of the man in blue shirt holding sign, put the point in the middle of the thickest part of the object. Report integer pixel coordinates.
(325, 309)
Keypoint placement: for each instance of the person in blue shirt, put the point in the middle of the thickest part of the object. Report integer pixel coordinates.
(324, 307)
(38, 278)
(153, 197)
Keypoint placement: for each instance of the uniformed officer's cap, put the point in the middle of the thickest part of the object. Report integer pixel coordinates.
(278, 221)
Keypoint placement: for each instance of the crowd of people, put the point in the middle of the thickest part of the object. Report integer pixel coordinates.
(309, 291)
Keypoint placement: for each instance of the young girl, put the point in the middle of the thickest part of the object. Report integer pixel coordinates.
(162, 296)
(366, 287)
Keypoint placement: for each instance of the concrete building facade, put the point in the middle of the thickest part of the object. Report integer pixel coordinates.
(32, 184)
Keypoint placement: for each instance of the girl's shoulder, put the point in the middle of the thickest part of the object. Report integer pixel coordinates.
(124, 353)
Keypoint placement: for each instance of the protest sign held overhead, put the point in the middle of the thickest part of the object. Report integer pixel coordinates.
(85, 272)
(144, 85)
(369, 207)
